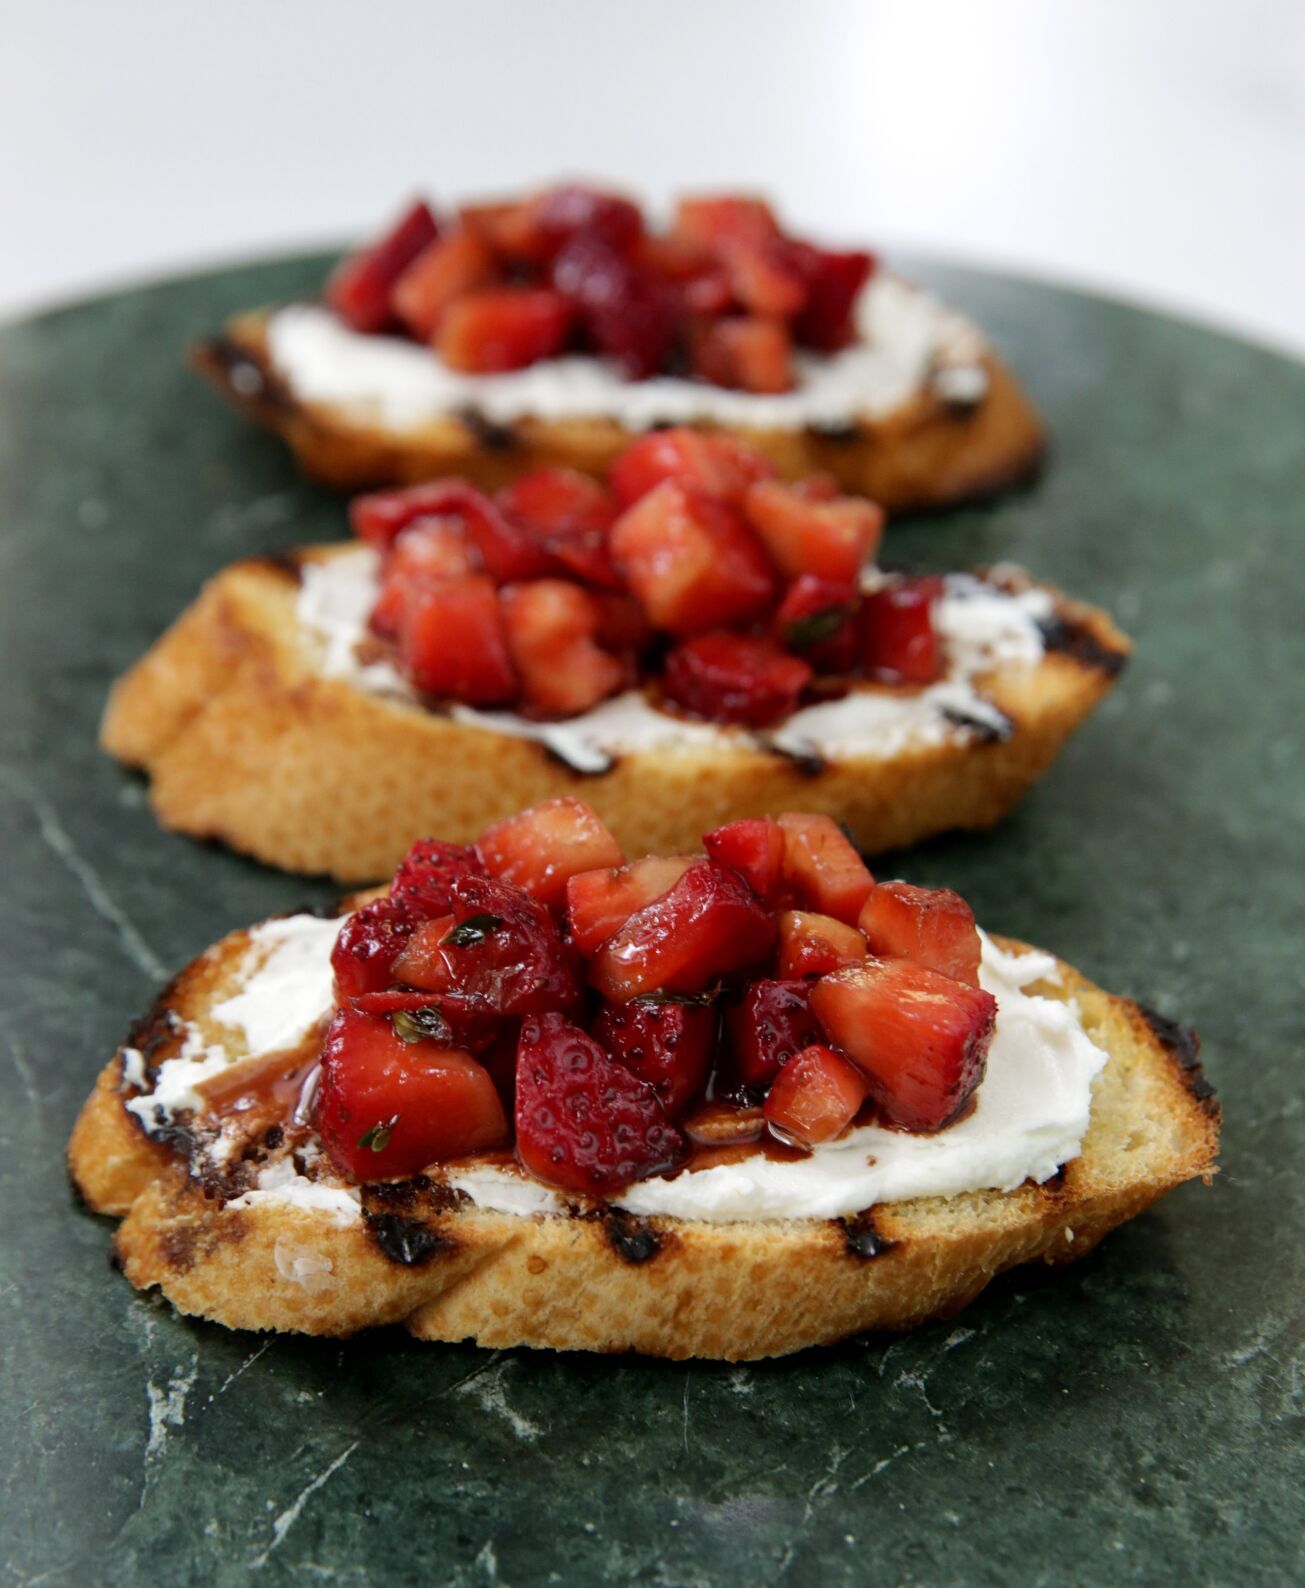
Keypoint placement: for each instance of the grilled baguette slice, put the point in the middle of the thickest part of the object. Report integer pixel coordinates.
(598, 1279)
(929, 453)
(245, 740)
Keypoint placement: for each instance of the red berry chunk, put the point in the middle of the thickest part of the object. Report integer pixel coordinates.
(708, 925)
(423, 884)
(430, 548)
(817, 619)
(813, 945)
(456, 264)
(833, 284)
(507, 550)
(714, 465)
(764, 279)
(743, 351)
(584, 1121)
(899, 639)
(920, 1037)
(733, 218)
(692, 562)
(501, 950)
(831, 539)
(932, 926)
(512, 230)
(502, 328)
(770, 1023)
(467, 1025)
(821, 867)
(360, 287)
(571, 515)
(566, 212)
(626, 312)
(551, 625)
(453, 644)
(370, 941)
(754, 846)
(542, 848)
(815, 1097)
(729, 677)
(668, 1045)
(599, 903)
(386, 1107)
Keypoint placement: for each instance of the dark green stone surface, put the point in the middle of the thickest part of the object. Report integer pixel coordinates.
(1135, 1419)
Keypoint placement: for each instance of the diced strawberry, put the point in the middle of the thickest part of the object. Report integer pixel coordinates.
(732, 218)
(452, 643)
(900, 643)
(920, 1037)
(360, 286)
(456, 263)
(832, 540)
(747, 352)
(932, 926)
(541, 848)
(691, 561)
(570, 513)
(626, 312)
(708, 925)
(821, 867)
(599, 903)
(815, 1097)
(753, 846)
(623, 627)
(710, 292)
(668, 1045)
(502, 328)
(769, 1024)
(813, 945)
(430, 548)
(833, 284)
(502, 951)
(507, 550)
(370, 941)
(551, 625)
(763, 277)
(729, 677)
(817, 620)
(512, 230)
(584, 1121)
(716, 465)
(562, 213)
(444, 1017)
(387, 1107)
(423, 884)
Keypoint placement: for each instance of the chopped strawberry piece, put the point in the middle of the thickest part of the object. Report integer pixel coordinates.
(815, 1097)
(832, 540)
(708, 925)
(769, 1024)
(710, 292)
(718, 220)
(540, 849)
(551, 625)
(728, 677)
(387, 1107)
(502, 951)
(817, 620)
(512, 230)
(743, 351)
(444, 1017)
(370, 941)
(566, 212)
(430, 548)
(507, 550)
(712, 464)
(423, 884)
(668, 1045)
(599, 903)
(900, 643)
(584, 1121)
(763, 277)
(360, 286)
(821, 867)
(452, 643)
(626, 312)
(932, 926)
(502, 328)
(833, 283)
(622, 624)
(753, 846)
(456, 263)
(691, 561)
(920, 1037)
(813, 945)
(571, 515)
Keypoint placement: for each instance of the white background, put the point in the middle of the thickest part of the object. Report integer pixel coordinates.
(1150, 147)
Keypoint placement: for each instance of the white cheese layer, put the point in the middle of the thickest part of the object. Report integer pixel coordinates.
(906, 339)
(1029, 1118)
(982, 628)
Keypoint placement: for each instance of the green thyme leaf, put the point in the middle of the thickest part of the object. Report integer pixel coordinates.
(378, 1137)
(415, 1025)
(802, 633)
(475, 929)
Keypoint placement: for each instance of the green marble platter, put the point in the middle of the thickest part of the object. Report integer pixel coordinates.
(1135, 1419)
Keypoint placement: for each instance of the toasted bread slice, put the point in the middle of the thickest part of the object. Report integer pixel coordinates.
(246, 740)
(596, 1278)
(930, 452)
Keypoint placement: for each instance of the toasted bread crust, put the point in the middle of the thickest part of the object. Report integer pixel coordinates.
(926, 454)
(247, 742)
(609, 1282)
